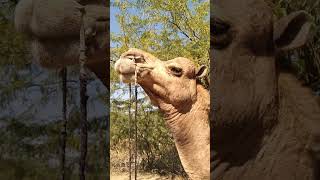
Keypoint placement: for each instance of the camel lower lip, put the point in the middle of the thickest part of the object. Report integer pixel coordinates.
(127, 78)
(128, 74)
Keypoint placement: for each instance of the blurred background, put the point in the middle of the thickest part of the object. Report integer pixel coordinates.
(305, 62)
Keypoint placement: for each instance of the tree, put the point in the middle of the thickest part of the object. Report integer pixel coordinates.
(167, 29)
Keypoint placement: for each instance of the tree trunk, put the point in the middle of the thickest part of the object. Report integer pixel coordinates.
(130, 126)
(84, 126)
(135, 131)
(64, 119)
(83, 102)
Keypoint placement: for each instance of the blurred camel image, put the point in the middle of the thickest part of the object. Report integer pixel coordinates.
(265, 124)
(53, 30)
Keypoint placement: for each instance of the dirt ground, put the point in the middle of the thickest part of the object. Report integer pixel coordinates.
(142, 176)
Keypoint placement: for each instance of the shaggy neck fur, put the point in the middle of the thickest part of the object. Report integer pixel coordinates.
(191, 134)
(284, 151)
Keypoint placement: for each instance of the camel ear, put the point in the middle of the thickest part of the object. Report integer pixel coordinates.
(292, 31)
(201, 71)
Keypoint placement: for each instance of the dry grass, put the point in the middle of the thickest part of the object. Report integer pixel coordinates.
(143, 176)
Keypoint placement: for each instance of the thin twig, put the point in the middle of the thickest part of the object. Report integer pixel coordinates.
(64, 119)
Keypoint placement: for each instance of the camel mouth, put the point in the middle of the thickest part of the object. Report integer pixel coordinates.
(130, 68)
(127, 74)
(127, 78)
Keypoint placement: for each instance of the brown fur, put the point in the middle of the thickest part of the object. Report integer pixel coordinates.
(281, 151)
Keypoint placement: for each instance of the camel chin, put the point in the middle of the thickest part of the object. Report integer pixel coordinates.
(127, 78)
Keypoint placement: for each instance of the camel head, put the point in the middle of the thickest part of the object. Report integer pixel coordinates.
(246, 38)
(166, 82)
(53, 31)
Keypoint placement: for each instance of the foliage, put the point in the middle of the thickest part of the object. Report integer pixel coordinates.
(27, 154)
(167, 29)
(156, 149)
(305, 61)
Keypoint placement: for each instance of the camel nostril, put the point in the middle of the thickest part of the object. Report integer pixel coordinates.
(139, 60)
(136, 59)
(131, 58)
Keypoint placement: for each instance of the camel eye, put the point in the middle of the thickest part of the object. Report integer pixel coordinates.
(219, 27)
(175, 71)
(220, 34)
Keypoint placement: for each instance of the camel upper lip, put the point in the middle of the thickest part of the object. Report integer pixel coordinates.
(137, 64)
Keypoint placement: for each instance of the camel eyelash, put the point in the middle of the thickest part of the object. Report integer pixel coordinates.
(175, 70)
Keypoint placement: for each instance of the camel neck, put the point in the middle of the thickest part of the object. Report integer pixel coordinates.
(283, 148)
(191, 134)
(180, 122)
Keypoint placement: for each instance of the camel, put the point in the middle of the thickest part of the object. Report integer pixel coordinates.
(52, 29)
(265, 124)
(172, 86)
